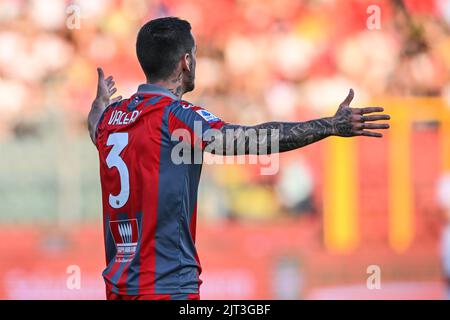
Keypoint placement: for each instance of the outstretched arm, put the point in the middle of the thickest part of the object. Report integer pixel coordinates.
(347, 122)
(105, 89)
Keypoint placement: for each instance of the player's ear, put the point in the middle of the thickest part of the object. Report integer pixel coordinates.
(186, 62)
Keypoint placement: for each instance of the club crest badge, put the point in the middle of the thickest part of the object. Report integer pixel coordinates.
(126, 235)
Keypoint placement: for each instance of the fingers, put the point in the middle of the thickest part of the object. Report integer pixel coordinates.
(111, 87)
(116, 99)
(372, 126)
(349, 99)
(110, 84)
(375, 117)
(364, 122)
(367, 110)
(360, 118)
(369, 133)
(375, 126)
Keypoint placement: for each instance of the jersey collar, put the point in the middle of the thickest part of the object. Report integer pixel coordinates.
(155, 89)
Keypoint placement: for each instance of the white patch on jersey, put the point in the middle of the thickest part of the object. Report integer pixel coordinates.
(187, 106)
(208, 116)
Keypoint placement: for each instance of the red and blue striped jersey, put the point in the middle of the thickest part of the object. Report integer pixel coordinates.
(149, 200)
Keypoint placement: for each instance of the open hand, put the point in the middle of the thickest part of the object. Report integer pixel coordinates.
(350, 122)
(105, 89)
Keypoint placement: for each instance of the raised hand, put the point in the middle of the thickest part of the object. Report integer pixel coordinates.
(350, 122)
(105, 89)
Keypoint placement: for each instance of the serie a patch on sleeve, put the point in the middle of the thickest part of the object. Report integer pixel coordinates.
(208, 116)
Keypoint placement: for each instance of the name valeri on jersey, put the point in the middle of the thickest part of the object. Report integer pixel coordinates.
(121, 118)
(208, 116)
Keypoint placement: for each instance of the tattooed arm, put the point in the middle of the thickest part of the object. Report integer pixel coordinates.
(270, 137)
(275, 137)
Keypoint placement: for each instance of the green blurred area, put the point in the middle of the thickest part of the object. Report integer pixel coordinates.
(61, 182)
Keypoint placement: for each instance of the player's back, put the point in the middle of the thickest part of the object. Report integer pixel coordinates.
(149, 202)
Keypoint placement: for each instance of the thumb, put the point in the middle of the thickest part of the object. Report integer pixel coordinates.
(101, 75)
(348, 100)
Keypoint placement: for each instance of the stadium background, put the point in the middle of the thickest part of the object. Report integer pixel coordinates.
(311, 231)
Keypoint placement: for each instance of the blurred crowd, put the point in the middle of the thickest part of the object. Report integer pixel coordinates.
(257, 61)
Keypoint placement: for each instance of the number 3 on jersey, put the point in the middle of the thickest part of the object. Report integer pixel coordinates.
(119, 141)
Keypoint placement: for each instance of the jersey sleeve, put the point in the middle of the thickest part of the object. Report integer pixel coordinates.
(194, 121)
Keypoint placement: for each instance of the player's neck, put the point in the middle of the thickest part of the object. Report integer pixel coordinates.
(175, 87)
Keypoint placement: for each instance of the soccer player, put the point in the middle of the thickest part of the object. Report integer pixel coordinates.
(149, 199)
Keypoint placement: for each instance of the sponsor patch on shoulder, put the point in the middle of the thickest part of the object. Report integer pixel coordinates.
(208, 116)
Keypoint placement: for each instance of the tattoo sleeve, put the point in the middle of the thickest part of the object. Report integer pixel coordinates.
(270, 137)
(273, 137)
